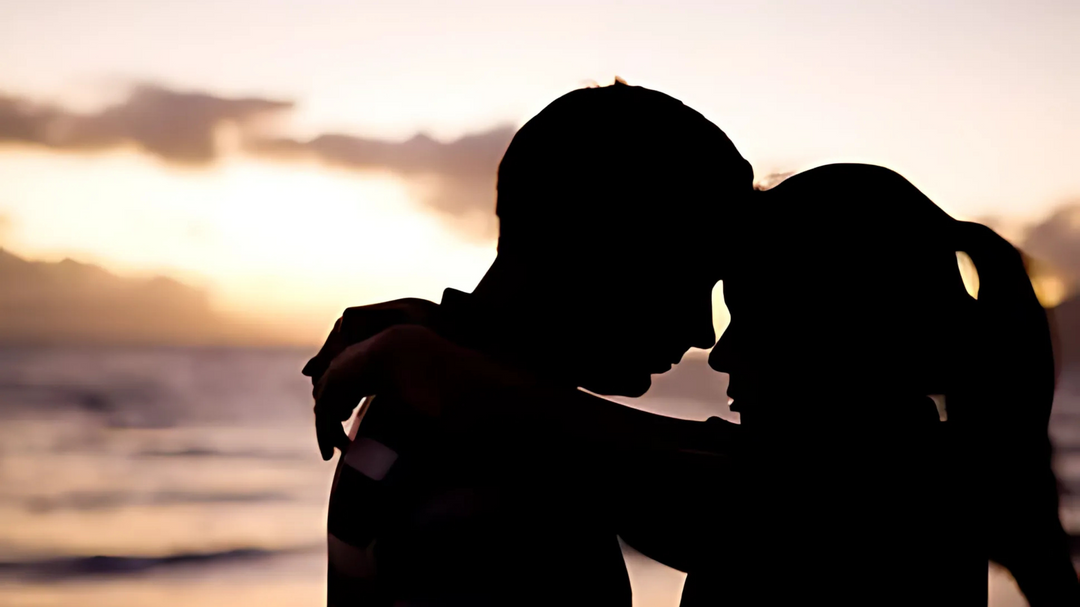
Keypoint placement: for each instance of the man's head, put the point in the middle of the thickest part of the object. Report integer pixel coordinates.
(606, 202)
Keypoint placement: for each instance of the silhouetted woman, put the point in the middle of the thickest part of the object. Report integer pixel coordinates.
(847, 315)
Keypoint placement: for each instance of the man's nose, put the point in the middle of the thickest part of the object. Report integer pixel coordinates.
(720, 359)
(703, 336)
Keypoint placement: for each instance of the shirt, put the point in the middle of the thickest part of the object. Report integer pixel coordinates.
(483, 516)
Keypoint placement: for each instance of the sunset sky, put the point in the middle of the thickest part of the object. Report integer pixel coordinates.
(976, 103)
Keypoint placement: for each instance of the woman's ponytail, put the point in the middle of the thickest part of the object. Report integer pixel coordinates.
(1007, 407)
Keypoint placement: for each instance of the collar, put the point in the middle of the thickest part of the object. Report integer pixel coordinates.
(468, 323)
(472, 324)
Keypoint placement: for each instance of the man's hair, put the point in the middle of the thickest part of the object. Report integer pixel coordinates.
(605, 166)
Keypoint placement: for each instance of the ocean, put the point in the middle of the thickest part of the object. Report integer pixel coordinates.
(190, 476)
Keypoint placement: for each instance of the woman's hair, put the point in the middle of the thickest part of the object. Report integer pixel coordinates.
(853, 297)
(857, 280)
(1017, 347)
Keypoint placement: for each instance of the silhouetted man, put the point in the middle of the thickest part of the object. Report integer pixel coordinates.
(876, 520)
(606, 201)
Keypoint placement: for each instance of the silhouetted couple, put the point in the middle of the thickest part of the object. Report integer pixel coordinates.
(481, 475)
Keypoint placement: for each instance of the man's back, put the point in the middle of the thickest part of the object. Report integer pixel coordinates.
(481, 515)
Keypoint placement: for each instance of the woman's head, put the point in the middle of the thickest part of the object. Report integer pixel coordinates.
(850, 285)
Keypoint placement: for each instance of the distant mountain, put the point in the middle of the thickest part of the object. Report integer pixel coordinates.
(75, 303)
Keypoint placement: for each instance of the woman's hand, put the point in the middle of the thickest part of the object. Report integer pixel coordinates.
(414, 367)
(363, 322)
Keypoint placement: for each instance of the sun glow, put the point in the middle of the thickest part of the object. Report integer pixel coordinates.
(265, 239)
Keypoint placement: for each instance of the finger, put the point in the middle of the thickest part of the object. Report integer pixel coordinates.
(351, 376)
(362, 322)
(359, 323)
(355, 325)
(331, 347)
(330, 435)
(336, 407)
(324, 438)
(336, 397)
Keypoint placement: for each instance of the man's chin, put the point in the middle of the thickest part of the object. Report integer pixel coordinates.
(629, 386)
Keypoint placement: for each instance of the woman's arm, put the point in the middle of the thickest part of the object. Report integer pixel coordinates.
(676, 506)
(437, 378)
(661, 482)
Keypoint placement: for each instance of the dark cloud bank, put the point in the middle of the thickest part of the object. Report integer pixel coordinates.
(75, 303)
(456, 178)
(175, 126)
(459, 175)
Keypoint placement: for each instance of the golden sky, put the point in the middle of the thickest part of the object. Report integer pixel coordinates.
(976, 103)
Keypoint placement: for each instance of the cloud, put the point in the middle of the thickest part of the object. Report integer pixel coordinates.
(180, 127)
(456, 178)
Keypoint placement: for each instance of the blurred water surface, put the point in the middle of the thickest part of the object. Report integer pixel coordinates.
(187, 476)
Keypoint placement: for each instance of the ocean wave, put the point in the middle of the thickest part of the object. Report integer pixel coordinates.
(104, 500)
(198, 452)
(60, 568)
(119, 405)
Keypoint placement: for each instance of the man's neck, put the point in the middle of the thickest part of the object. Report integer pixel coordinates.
(500, 318)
